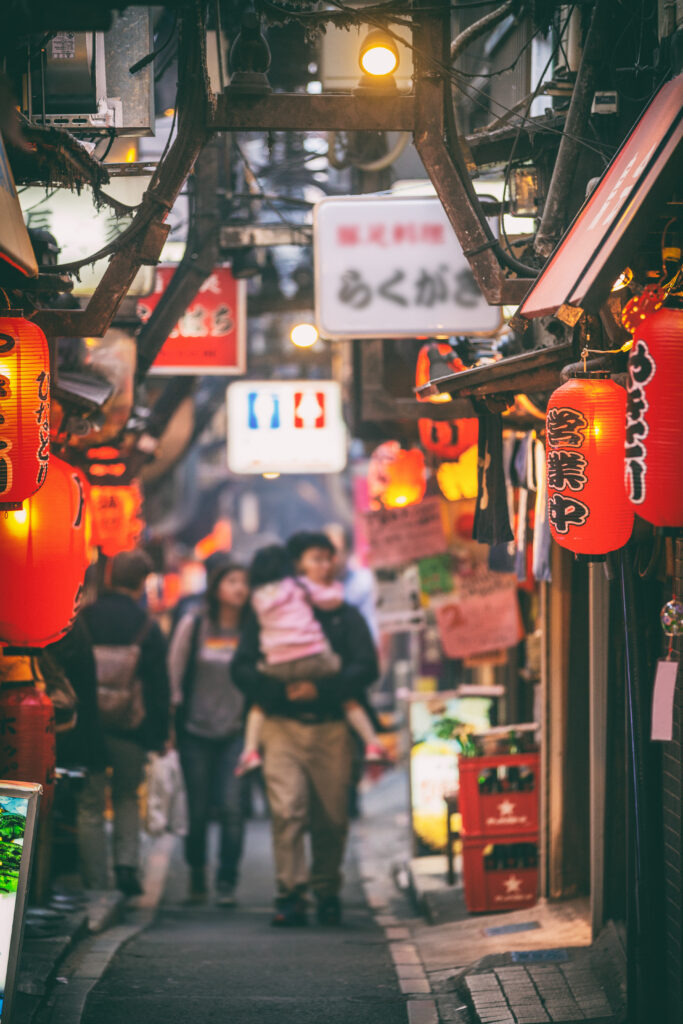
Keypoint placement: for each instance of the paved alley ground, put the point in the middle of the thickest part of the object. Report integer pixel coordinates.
(201, 965)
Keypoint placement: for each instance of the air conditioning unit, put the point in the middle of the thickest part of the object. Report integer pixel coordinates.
(81, 81)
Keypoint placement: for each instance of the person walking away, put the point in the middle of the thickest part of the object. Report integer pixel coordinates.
(306, 745)
(209, 716)
(133, 700)
(294, 643)
(81, 747)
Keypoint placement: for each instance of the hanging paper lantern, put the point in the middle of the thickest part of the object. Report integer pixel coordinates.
(654, 420)
(458, 480)
(28, 742)
(448, 438)
(406, 479)
(43, 556)
(116, 518)
(585, 430)
(436, 359)
(24, 409)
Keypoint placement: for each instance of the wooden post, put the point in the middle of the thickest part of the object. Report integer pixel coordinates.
(598, 632)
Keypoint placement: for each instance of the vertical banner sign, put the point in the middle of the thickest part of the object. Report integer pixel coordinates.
(210, 337)
(18, 814)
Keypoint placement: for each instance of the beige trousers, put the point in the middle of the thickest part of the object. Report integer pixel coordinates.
(307, 770)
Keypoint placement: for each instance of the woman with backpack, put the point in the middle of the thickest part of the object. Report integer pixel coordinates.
(209, 714)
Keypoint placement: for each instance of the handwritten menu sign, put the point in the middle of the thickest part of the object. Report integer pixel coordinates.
(400, 535)
(481, 615)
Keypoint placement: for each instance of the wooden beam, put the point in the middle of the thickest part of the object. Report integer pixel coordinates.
(299, 112)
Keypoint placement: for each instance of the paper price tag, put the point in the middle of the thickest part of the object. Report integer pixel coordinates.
(663, 700)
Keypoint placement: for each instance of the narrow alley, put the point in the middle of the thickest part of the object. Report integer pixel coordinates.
(211, 964)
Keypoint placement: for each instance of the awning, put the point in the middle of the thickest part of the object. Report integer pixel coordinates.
(618, 213)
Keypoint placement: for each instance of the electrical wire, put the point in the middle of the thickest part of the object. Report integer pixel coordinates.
(487, 101)
(140, 64)
(268, 202)
(508, 170)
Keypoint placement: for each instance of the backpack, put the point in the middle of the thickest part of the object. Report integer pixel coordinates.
(119, 690)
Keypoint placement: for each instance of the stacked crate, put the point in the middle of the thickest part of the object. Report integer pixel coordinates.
(499, 807)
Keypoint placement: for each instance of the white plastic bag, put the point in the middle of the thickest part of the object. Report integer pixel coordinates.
(166, 796)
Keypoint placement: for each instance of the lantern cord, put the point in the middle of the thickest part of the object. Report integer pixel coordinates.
(6, 298)
(585, 351)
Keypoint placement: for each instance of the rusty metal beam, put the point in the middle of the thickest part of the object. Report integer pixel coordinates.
(299, 112)
(445, 164)
(146, 235)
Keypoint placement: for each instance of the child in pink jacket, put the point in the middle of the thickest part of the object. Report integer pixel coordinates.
(294, 644)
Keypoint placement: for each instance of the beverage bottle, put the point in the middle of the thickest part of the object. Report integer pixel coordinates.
(500, 778)
(513, 779)
(489, 859)
(512, 855)
(499, 857)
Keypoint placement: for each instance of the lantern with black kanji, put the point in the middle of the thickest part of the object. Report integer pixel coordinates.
(406, 480)
(654, 419)
(585, 432)
(116, 519)
(24, 409)
(43, 555)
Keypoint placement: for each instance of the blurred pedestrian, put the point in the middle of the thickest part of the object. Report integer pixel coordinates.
(133, 700)
(306, 744)
(209, 726)
(294, 643)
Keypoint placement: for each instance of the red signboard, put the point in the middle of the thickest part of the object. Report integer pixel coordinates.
(210, 337)
(596, 247)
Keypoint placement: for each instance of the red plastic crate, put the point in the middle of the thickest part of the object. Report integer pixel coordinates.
(492, 889)
(509, 811)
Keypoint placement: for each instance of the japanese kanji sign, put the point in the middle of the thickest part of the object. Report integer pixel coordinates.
(391, 266)
(285, 427)
(210, 338)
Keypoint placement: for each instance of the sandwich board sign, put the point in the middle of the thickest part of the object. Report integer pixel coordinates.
(392, 267)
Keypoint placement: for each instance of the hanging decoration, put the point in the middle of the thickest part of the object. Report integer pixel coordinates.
(654, 424)
(117, 525)
(44, 556)
(28, 750)
(458, 480)
(446, 438)
(585, 431)
(406, 480)
(436, 359)
(24, 409)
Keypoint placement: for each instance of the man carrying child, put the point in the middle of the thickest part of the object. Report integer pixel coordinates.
(304, 737)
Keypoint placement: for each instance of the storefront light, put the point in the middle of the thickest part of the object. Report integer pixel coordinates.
(378, 54)
(304, 335)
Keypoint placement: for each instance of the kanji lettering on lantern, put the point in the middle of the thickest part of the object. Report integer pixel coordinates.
(565, 512)
(641, 370)
(566, 426)
(566, 469)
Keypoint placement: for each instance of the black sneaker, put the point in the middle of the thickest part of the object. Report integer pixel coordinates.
(127, 881)
(290, 912)
(329, 911)
(197, 885)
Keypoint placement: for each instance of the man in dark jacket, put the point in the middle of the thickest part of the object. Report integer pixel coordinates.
(116, 619)
(307, 747)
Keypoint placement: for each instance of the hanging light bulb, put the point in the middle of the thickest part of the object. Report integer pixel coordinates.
(378, 54)
(304, 335)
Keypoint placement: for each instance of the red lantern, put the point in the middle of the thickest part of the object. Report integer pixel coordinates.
(585, 432)
(654, 421)
(44, 558)
(24, 408)
(115, 514)
(27, 741)
(406, 480)
(448, 438)
(436, 359)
